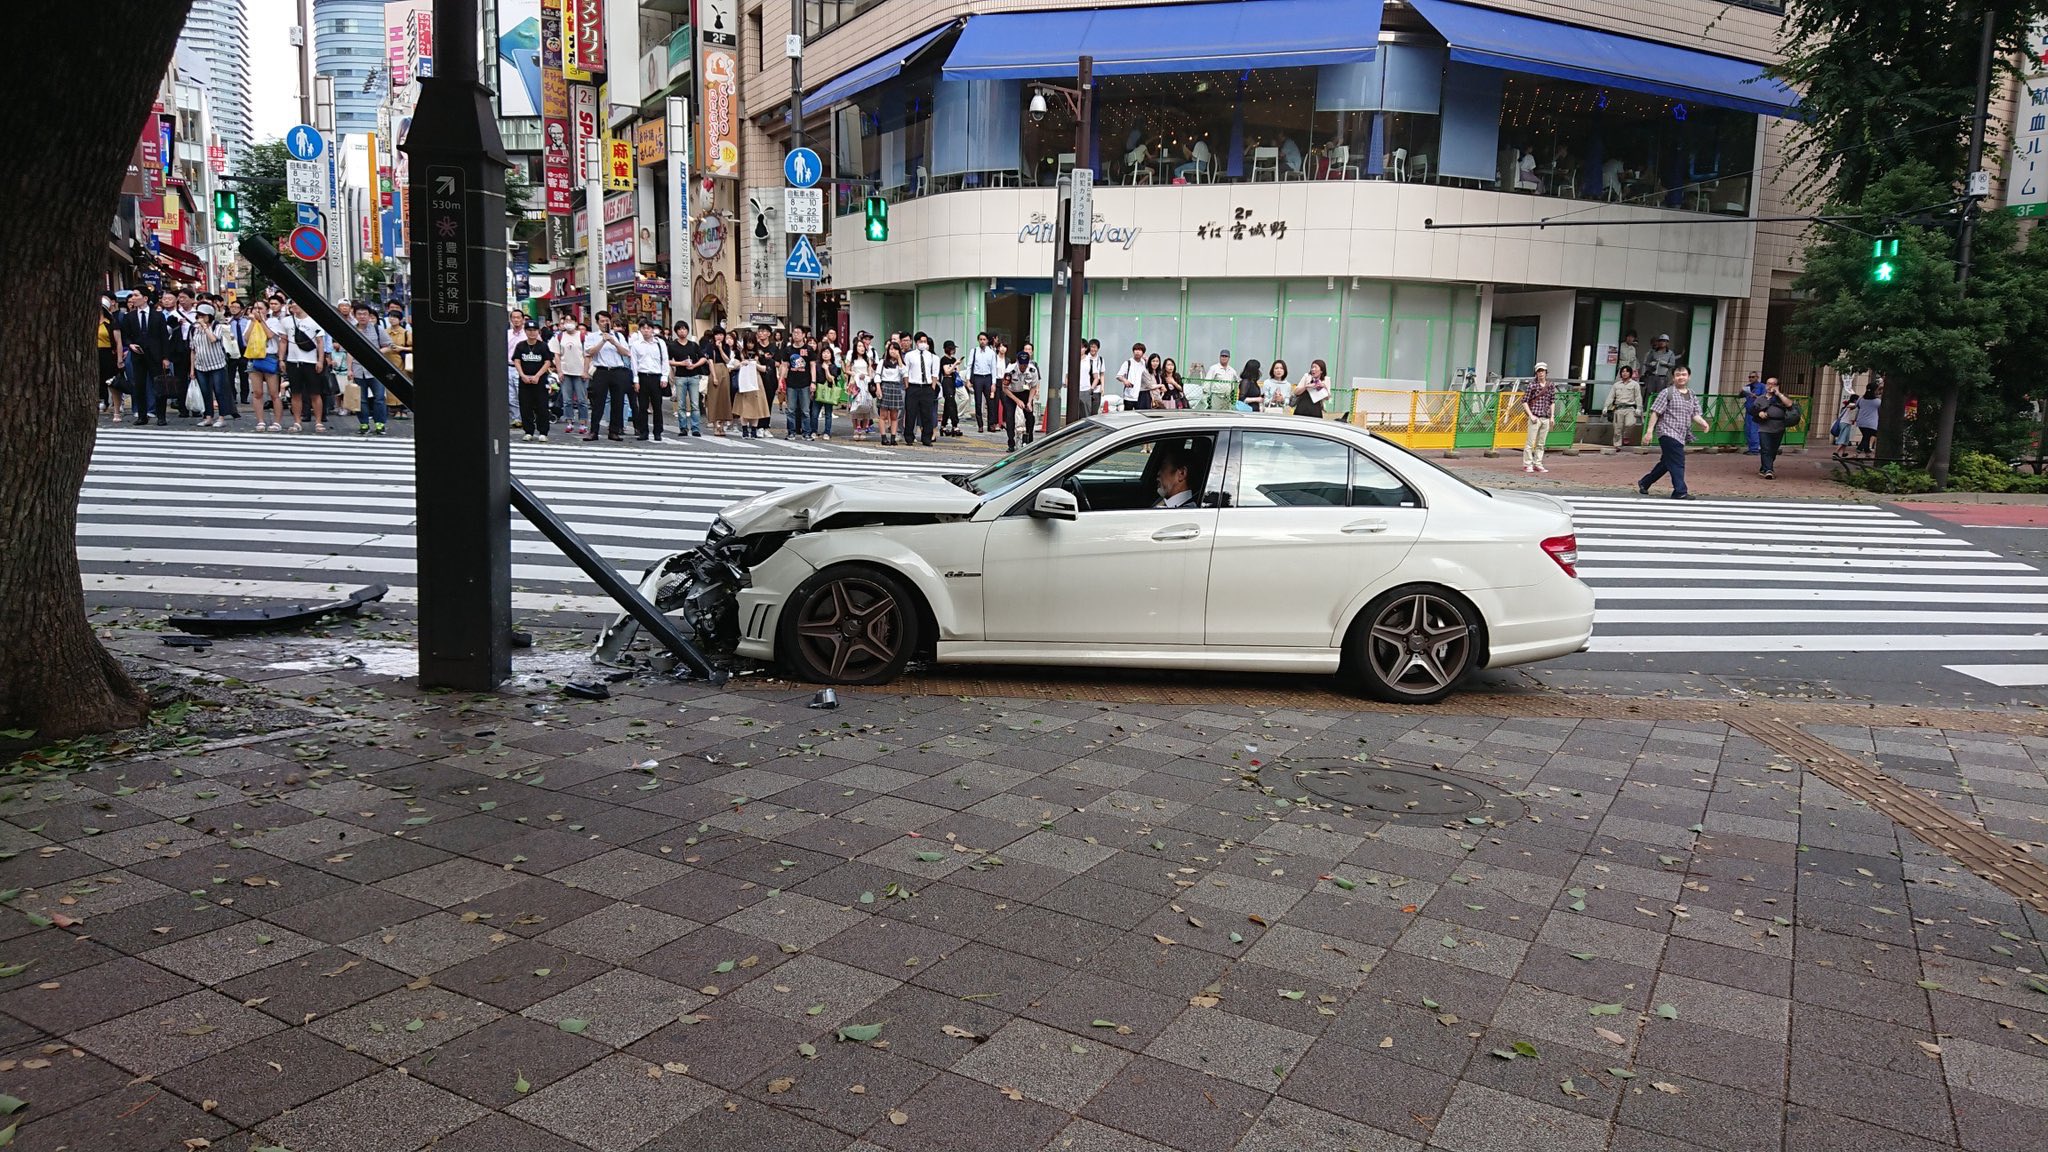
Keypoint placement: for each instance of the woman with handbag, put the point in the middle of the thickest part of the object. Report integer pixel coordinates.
(860, 387)
(830, 390)
(890, 390)
(108, 338)
(1173, 392)
(259, 351)
(212, 348)
(753, 374)
(1844, 431)
(1251, 388)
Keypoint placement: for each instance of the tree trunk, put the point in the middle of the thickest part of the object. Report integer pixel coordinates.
(81, 98)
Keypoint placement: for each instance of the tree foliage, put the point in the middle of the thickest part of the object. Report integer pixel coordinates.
(265, 210)
(1888, 96)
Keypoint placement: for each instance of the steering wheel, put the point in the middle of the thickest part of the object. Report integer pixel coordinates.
(1074, 485)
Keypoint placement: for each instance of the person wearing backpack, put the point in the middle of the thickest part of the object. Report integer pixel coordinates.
(305, 366)
(1775, 413)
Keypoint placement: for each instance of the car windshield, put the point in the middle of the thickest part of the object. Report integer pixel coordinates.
(1021, 467)
(1431, 464)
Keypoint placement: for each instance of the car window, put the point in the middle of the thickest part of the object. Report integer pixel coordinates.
(1373, 486)
(1127, 478)
(1036, 459)
(1278, 469)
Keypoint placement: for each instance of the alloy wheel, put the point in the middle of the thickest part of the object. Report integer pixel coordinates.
(850, 628)
(1420, 644)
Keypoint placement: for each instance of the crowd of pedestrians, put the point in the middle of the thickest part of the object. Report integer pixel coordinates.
(206, 358)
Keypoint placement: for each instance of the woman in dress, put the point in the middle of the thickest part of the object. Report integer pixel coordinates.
(1251, 388)
(860, 387)
(1278, 392)
(753, 376)
(889, 379)
(1314, 391)
(830, 390)
(718, 393)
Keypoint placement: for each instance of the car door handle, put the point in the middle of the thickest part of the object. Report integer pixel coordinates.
(1178, 532)
(1364, 527)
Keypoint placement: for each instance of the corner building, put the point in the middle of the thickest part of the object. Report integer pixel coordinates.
(1266, 170)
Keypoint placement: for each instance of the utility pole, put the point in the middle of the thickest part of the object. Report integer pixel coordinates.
(303, 37)
(1977, 190)
(335, 279)
(794, 46)
(461, 432)
(594, 224)
(1077, 276)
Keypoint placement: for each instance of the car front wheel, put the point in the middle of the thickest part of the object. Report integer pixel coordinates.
(1414, 646)
(849, 626)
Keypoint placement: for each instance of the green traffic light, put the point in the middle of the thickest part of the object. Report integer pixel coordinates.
(877, 211)
(1883, 272)
(227, 213)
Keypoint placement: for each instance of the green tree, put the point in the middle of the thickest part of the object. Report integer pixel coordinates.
(1888, 99)
(372, 280)
(265, 210)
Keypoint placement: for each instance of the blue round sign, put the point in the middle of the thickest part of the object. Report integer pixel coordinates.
(801, 168)
(307, 243)
(304, 142)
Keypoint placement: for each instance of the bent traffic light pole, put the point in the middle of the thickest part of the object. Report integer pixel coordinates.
(266, 259)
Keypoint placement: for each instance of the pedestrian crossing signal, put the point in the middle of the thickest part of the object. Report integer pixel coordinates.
(877, 218)
(1884, 254)
(227, 213)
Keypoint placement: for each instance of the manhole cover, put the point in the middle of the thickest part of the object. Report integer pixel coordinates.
(1391, 791)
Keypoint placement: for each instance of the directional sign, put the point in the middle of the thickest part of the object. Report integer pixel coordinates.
(447, 225)
(803, 262)
(803, 211)
(305, 181)
(309, 216)
(1081, 217)
(304, 142)
(801, 168)
(308, 243)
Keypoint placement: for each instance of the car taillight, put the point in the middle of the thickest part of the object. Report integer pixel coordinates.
(1564, 550)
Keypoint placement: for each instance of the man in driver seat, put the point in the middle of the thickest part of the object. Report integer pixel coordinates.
(1172, 479)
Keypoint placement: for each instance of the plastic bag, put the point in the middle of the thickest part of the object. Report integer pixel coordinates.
(195, 399)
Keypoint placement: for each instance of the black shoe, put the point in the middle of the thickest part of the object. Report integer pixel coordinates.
(616, 436)
(657, 439)
(1681, 495)
(641, 439)
(927, 443)
(162, 423)
(590, 439)
(1642, 489)
(142, 423)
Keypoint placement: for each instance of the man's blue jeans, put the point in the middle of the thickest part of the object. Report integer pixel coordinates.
(799, 416)
(372, 407)
(689, 405)
(1671, 463)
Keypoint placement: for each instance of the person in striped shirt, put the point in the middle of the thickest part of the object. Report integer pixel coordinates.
(1673, 416)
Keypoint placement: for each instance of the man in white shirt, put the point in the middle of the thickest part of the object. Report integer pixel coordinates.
(1222, 379)
(305, 367)
(981, 378)
(650, 371)
(611, 380)
(920, 393)
(1091, 380)
(1136, 381)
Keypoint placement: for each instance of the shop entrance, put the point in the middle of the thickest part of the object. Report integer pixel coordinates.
(1007, 316)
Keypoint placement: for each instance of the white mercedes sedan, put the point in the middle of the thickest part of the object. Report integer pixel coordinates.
(1157, 539)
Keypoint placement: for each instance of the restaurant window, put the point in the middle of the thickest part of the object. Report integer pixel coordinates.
(1565, 138)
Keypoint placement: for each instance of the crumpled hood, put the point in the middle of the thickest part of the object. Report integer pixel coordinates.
(801, 506)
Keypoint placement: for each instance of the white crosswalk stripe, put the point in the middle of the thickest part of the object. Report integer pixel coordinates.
(173, 514)
(1780, 577)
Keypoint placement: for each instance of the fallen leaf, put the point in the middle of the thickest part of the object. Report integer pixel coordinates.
(1165, 940)
(1568, 1088)
(521, 1085)
(1611, 1037)
(1012, 1093)
(859, 1033)
(1386, 1041)
(959, 1033)
(676, 1066)
(1667, 1012)
(781, 1084)
(1666, 1087)
(573, 1026)
(898, 1117)
(1604, 1010)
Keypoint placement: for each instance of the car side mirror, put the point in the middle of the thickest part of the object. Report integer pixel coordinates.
(1054, 504)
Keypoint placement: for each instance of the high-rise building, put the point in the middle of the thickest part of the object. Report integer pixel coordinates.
(216, 44)
(348, 44)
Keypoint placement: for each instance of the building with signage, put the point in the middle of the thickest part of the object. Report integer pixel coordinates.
(1309, 179)
(217, 37)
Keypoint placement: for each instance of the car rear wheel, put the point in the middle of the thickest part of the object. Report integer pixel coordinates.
(1414, 645)
(850, 626)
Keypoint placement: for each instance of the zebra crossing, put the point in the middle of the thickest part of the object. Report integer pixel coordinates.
(1762, 577)
(167, 515)
(179, 517)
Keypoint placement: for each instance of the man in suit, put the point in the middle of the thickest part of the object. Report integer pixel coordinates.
(145, 340)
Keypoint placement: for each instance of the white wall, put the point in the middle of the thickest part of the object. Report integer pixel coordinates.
(1553, 311)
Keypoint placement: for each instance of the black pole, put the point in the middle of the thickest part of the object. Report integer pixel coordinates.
(460, 451)
(798, 314)
(267, 260)
(1077, 256)
(1951, 390)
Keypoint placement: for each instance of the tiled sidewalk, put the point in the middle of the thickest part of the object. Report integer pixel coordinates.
(696, 921)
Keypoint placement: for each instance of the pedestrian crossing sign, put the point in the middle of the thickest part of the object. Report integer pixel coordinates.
(803, 262)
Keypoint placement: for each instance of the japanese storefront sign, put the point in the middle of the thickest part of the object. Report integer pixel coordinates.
(719, 100)
(650, 142)
(2026, 188)
(618, 252)
(582, 122)
(1242, 226)
(571, 31)
(558, 165)
(590, 54)
(1041, 228)
(619, 168)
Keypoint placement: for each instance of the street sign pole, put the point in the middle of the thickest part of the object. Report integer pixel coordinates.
(460, 434)
(794, 47)
(1081, 225)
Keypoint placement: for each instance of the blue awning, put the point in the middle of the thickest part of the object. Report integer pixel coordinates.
(1526, 44)
(1167, 38)
(859, 79)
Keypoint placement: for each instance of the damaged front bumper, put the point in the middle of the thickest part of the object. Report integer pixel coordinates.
(701, 587)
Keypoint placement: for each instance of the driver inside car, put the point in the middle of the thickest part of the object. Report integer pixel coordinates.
(1172, 480)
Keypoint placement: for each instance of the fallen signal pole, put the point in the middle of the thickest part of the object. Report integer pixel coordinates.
(265, 258)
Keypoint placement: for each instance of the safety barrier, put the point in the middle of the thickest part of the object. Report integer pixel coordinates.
(1446, 420)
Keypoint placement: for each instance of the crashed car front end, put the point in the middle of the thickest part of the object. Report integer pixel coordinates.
(701, 586)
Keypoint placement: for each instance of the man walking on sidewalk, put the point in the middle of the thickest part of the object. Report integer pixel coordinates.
(1752, 396)
(1539, 403)
(1673, 416)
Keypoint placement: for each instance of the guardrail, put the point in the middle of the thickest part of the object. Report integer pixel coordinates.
(1444, 421)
